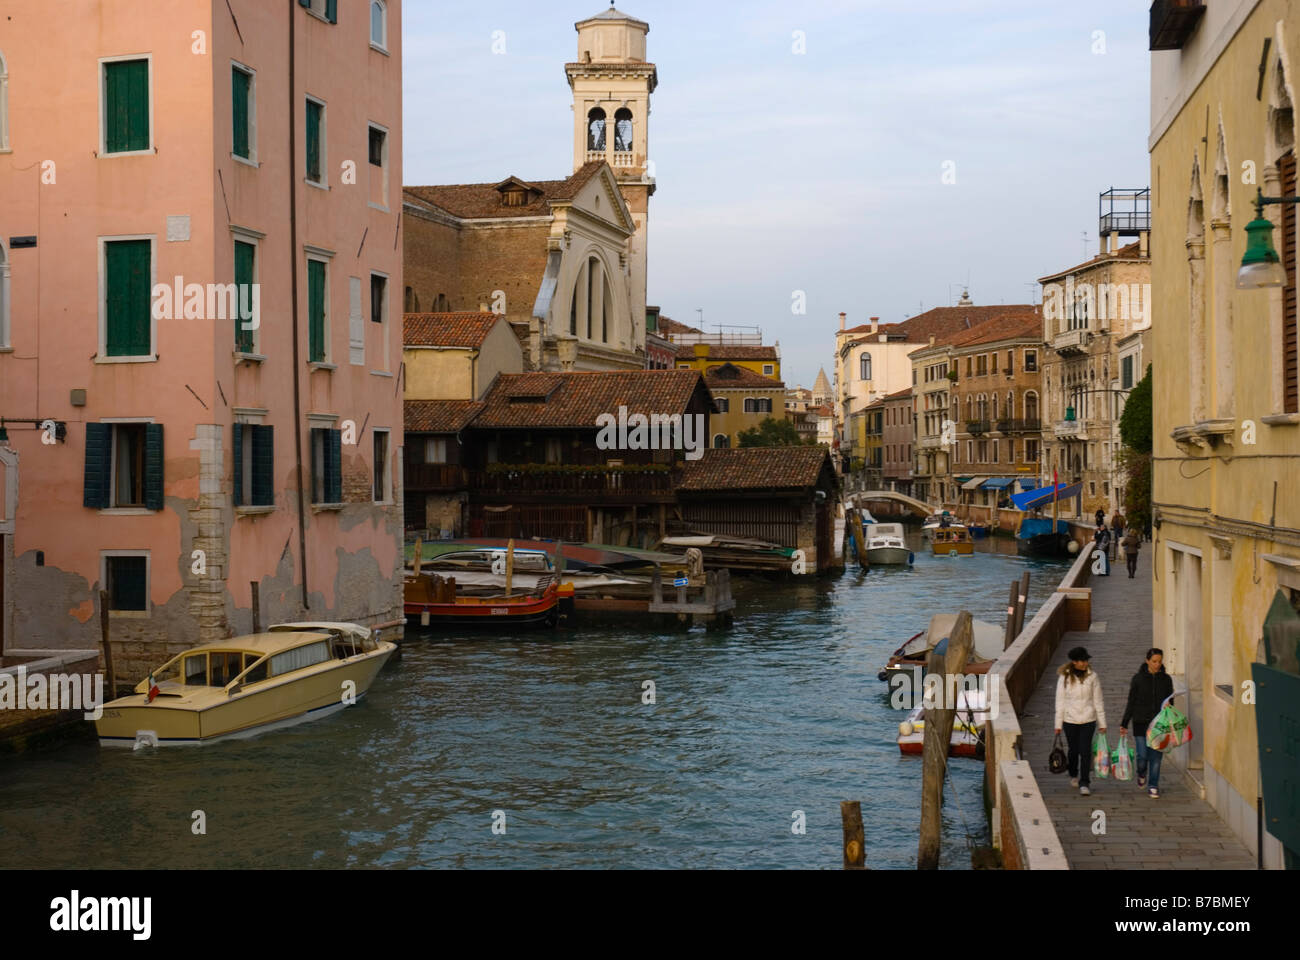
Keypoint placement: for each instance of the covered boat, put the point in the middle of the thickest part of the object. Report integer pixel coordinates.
(886, 545)
(967, 738)
(1044, 536)
(911, 657)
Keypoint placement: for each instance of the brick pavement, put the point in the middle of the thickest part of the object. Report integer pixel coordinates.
(1179, 830)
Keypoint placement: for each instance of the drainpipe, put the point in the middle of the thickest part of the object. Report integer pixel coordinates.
(293, 273)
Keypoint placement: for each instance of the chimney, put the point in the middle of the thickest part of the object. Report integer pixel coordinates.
(875, 322)
(932, 339)
(842, 318)
(483, 307)
(1144, 243)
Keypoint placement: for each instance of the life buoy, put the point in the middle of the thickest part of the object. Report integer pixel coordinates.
(952, 552)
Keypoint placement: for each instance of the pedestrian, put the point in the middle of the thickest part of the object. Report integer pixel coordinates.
(1080, 712)
(1102, 540)
(1117, 526)
(1150, 687)
(1101, 516)
(1132, 544)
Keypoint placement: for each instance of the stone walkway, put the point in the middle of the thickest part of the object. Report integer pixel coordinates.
(1179, 830)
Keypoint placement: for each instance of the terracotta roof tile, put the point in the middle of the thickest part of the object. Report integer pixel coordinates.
(576, 400)
(729, 352)
(439, 416)
(729, 376)
(668, 326)
(1010, 327)
(481, 201)
(906, 392)
(1130, 251)
(756, 468)
(940, 322)
(447, 329)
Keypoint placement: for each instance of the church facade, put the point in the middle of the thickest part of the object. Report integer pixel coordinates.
(564, 261)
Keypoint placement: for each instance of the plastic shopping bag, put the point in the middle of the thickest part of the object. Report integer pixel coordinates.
(1100, 756)
(1121, 759)
(1169, 729)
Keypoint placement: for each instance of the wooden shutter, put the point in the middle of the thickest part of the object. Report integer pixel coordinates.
(153, 466)
(126, 106)
(315, 311)
(334, 466)
(99, 465)
(1290, 360)
(239, 86)
(127, 313)
(313, 141)
(237, 488)
(332, 11)
(263, 466)
(356, 324)
(245, 254)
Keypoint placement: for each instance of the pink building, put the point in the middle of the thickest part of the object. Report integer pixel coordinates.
(218, 150)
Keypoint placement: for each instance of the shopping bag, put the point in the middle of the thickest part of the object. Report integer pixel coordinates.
(1100, 756)
(1121, 759)
(1169, 729)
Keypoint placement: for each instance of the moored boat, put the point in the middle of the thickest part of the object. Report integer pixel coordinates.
(885, 544)
(246, 685)
(434, 601)
(911, 657)
(967, 739)
(952, 541)
(1036, 538)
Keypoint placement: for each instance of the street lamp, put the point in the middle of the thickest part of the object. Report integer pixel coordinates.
(1261, 266)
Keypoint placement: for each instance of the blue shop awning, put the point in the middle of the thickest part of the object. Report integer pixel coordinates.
(1028, 483)
(999, 483)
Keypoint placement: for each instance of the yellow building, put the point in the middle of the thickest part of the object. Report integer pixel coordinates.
(742, 399)
(701, 355)
(1226, 418)
(456, 356)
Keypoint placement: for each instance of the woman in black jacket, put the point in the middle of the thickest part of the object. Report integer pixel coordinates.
(1147, 692)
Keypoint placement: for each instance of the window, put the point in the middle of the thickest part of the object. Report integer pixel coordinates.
(769, 369)
(1031, 361)
(623, 130)
(245, 280)
(995, 452)
(315, 142)
(317, 305)
(124, 466)
(596, 130)
(254, 472)
(723, 404)
(381, 472)
(435, 450)
(378, 25)
(864, 367)
(378, 152)
(326, 465)
(126, 578)
(243, 113)
(4, 110)
(758, 404)
(4, 297)
(376, 147)
(127, 325)
(378, 298)
(127, 108)
(326, 9)
(721, 441)
(1126, 373)
(300, 658)
(223, 666)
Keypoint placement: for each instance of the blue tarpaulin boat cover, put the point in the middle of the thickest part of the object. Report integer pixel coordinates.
(999, 483)
(1038, 526)
(1031, 499)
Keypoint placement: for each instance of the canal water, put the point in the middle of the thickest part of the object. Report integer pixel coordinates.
(783, 712)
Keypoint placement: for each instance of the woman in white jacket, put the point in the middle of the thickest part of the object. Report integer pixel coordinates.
(1080, 711)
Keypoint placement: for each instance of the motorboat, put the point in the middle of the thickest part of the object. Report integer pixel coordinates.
(952, 541)
(886, 544)
(246, 685)
(1036, 538)
(969, 718)
(911, 657)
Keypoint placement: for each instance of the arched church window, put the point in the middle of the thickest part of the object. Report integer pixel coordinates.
(623, 130)
(596, 130)
(593, 268)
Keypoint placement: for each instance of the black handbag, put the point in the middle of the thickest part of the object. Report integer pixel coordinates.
(1056, 760)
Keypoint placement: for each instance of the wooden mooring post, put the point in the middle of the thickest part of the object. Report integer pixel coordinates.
(938, 736)
(257, 605)
(859, 537)
(1022, 602)
(855, 848)
(110, 675)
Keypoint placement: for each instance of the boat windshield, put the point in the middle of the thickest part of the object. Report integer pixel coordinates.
(210, 668)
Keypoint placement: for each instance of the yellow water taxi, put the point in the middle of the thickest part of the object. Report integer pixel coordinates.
(952, 541)
(245, 685)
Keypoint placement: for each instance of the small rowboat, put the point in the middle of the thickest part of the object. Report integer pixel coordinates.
(967, 738)
(433, 602)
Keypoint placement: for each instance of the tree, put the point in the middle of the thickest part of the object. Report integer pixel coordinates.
(771, 433)
(1135, 429)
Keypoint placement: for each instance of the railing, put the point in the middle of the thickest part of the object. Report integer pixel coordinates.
(595, 155)
(977, 428)
(1031, 425)
(928, 443)
(1070, 428)
(434, 476)
(1071, 341)
(593, 484)
(623, 159)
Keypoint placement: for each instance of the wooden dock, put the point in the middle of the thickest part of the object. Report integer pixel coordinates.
(704, 598)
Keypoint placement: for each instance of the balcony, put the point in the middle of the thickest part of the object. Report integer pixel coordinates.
(1071, 342)
(928, 443)
(1172, 22)
(594, 485)
(1070, 430)
(977, 428)
(434, 477)
(1032, 425)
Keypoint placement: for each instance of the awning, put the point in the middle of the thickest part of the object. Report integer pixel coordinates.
(999, 483)
(1028, 483)
(973, 483)
(1032, 499)
(960, 479)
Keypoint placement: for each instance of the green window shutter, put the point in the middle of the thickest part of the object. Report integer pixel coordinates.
(263, 466)
(153, 466)
(244, 256)
(304, 3)
(315, 311)
(237, 488)
(127, 314)
(99, 464)
(239, 87)
(126, 106)
(313, 141)
(334, 467)
(332, 11)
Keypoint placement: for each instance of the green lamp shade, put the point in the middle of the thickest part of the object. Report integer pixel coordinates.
(1261, 266)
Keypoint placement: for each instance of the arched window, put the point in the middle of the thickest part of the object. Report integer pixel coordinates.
(864, 367)
(596, 130)
(4, 104)
(379, 24)
(593, 268)
(4, 297)
(607, 311)
(721, 441)
(1010, 412)
(623, 130)
(573, 314)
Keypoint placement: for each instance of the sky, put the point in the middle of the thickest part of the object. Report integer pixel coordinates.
(820, 172)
